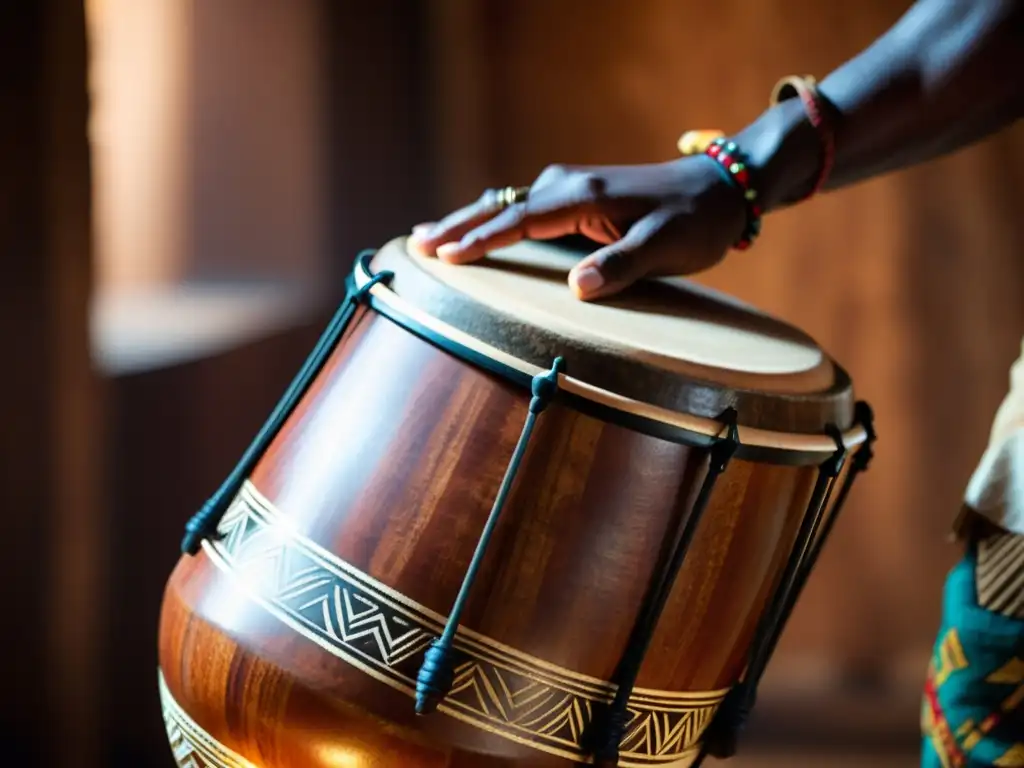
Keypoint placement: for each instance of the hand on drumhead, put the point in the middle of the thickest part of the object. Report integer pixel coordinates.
(672, 218)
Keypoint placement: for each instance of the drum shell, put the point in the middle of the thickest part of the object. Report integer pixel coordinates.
(389, 468)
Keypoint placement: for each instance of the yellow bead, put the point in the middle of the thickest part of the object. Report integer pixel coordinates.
(695, 142)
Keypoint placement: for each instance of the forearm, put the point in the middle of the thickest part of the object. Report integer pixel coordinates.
(939, 80)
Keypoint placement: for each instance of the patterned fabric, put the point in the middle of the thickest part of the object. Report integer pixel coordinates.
(973, 708)
(999, 576)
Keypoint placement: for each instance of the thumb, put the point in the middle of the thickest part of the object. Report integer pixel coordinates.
(615, 267)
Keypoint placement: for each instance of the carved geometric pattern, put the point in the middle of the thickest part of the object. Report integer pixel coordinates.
(385, 634)
(191, 746)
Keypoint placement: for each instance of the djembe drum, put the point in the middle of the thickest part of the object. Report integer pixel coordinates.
(492, 525)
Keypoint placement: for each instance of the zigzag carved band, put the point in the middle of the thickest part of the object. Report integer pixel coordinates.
(385, 634)
(191, 745)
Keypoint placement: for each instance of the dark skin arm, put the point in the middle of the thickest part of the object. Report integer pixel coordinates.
(940, 79)
(945, 75)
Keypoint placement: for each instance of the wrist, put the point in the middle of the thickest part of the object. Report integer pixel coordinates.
(784, 151)
(734, 167)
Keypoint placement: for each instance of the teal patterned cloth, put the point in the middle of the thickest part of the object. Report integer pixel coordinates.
(972, 713)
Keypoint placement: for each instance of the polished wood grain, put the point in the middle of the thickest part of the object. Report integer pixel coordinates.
(388, 469)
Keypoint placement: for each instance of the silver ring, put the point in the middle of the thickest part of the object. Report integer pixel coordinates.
(507, 196)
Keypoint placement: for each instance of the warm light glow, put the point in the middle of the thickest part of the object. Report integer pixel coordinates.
(207, 133)
(337, 756)
(348, 435)
(138, 131)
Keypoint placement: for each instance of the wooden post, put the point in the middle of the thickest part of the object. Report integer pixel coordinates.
(51, 528)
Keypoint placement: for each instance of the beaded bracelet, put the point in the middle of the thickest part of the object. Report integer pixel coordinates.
(806, 88)
(728, 156)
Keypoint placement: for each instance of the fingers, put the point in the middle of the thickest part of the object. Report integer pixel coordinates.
(506, 228)
(430, 237)
(619, 265)
(556, 205)
(510, 226)
(419, 232)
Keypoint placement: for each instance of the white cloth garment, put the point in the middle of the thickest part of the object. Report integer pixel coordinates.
(996, 489)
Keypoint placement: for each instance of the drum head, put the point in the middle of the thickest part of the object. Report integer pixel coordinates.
(667, 342)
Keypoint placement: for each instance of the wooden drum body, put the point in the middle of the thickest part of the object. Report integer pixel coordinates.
(295, 636)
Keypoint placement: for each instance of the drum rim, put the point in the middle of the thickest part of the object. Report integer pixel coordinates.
(700, 393)
(702, 371)
(803, 412)
(757, 444)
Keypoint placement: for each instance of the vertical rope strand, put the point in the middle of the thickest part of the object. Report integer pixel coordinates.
(437, 673)
(204, 523)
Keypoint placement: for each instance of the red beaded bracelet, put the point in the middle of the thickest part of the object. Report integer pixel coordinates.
(806, 88)
(731, 159)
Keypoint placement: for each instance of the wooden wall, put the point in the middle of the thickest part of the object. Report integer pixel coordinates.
(913, 282)
(243, 154)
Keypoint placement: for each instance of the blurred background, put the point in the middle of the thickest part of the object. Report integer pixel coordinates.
(185, 185)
